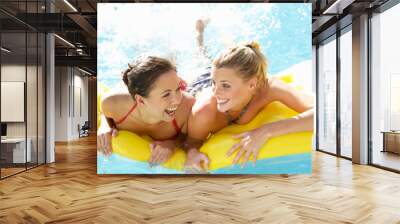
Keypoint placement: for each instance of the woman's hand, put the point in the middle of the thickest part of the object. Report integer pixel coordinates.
(104, 135)
(250, 144)
(161, 151)
(196, 161)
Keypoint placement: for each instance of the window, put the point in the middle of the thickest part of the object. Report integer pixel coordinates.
(327, 96)
(346, 93)
(385, 89)
(22, 68)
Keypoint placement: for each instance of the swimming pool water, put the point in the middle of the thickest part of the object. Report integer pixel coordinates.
(293, 164)
(128, 30)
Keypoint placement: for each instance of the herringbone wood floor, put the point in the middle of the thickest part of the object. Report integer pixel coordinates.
(70, 191)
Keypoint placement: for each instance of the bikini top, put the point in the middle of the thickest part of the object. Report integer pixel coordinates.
(234, 121)
(182, 87)
(174, 122)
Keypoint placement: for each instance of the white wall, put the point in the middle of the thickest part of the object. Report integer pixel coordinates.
(61, 103)
(80, 115)
(33, 126)
(70, 84)
(16, 73)
(10, 73)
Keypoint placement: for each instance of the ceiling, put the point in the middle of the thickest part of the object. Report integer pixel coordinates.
(76, 22)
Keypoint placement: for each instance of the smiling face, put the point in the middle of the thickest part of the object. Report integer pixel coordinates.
(230, 90)
(237, 73)
(164, 97)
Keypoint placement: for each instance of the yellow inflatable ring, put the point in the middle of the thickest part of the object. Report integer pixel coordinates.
(219, 144)
(132, 146)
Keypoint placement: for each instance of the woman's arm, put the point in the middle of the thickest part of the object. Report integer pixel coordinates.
(161, 151)
(299, 123)
(251, 142)
(200, 125)
(106, 130)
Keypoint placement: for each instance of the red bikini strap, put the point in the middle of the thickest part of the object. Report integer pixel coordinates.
(176, 126)
(126, 115)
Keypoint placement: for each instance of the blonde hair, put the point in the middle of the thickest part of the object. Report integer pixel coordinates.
(247, 60)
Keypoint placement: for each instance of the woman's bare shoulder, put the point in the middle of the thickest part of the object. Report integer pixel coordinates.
(203, 118)
(276, 82)
(205, 105)
(115, 103)
(188, 100)
(276, 87)
(290, 96)
(186, 105)
(204, 110)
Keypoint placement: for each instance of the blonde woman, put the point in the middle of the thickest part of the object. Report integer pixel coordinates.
(239, 89)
